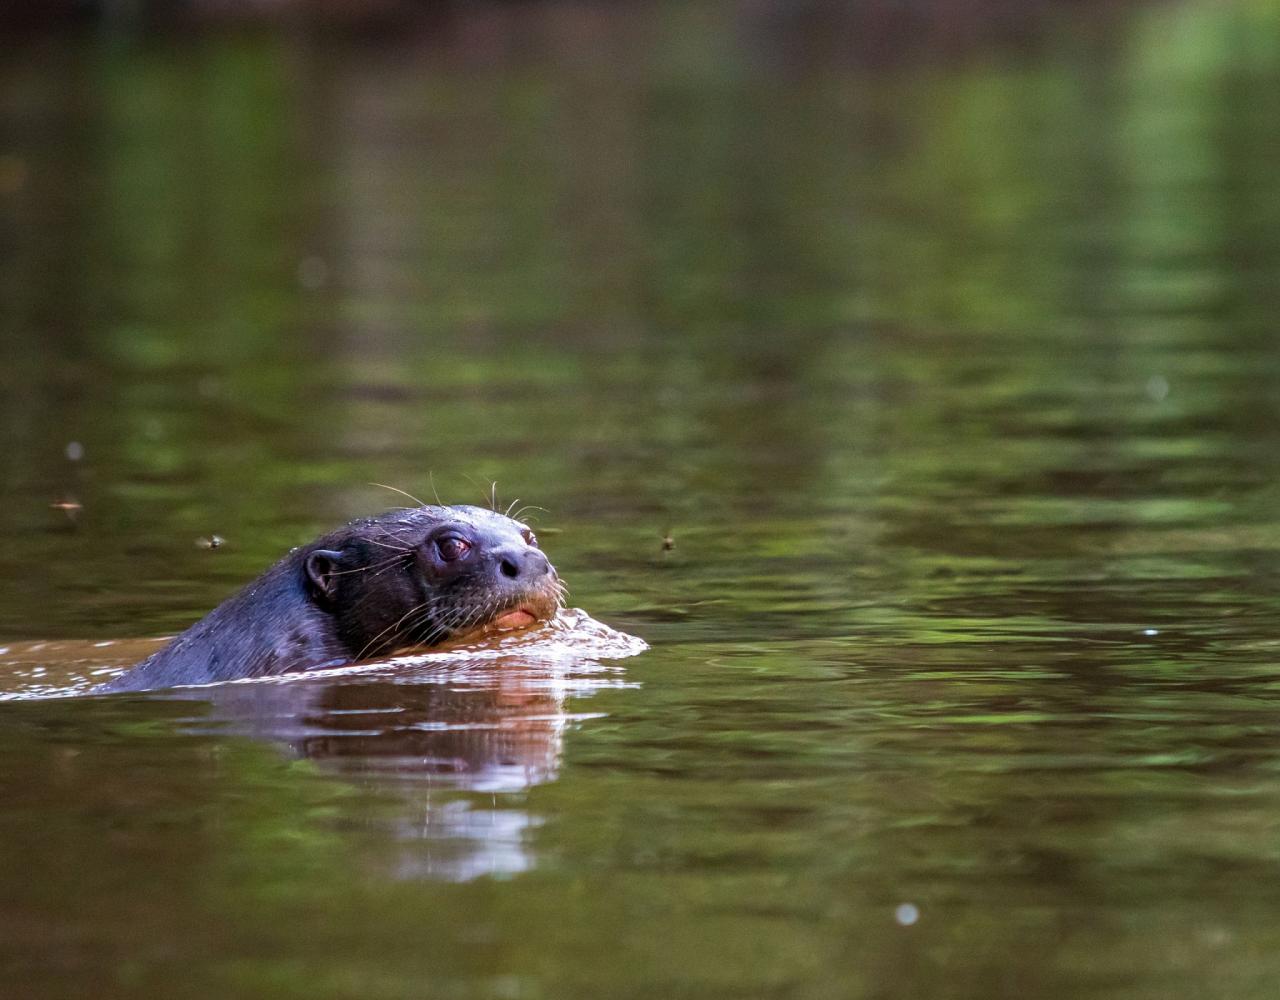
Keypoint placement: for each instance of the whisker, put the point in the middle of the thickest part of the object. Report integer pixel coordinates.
(475, 615)
(394, 625)
(399, 536)
(478, 615)
(446, 626)
(387, 545)
(492, 485)
(372, 566)
(410, 626)
(396, 489)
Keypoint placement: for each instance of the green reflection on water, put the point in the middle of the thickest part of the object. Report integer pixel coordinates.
(954, 383)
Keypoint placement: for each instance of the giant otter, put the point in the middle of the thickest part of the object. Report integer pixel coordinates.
(410, 578)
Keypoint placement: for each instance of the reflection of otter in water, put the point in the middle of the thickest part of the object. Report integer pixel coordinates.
(411, 578)
(480, 729)
(457, 748)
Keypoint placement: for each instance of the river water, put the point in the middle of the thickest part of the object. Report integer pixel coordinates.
(918, 404)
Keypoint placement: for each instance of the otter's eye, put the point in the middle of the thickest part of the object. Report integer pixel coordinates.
(530, 538)
(452, 548)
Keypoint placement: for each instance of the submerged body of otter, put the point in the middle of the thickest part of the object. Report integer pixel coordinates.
(408, 579)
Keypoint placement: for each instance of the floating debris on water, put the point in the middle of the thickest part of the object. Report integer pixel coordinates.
(69, 506)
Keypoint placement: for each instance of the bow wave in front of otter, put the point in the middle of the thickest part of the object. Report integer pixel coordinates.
(407, 580)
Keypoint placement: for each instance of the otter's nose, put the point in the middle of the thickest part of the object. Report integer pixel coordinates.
(515, 563)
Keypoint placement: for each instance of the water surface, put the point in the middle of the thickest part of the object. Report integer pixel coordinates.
(950, 372)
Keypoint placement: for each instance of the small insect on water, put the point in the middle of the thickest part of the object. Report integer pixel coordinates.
(668, 541)
(212, 542)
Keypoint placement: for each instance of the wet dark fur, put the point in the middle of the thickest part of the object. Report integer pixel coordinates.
(370, 588)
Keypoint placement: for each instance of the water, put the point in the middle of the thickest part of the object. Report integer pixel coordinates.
(947, 365)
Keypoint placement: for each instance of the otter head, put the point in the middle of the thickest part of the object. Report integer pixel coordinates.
(427, 576)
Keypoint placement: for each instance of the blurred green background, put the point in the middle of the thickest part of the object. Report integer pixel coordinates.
(939, 336)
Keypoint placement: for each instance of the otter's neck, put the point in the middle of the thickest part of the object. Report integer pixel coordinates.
(271, 627)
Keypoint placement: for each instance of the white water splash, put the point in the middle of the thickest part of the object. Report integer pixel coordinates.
(565, 653)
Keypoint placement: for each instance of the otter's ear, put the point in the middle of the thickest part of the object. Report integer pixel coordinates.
(322, 567)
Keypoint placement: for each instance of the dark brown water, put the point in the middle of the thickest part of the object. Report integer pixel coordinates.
(952, 373)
